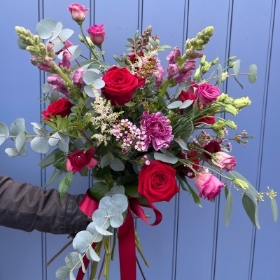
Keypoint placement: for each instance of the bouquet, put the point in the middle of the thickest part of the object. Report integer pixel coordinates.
(143, 132)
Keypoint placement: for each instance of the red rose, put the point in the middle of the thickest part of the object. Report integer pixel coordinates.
(120, 85)
(78, 159)
(157, 182)
(212, 147)
(60, 107)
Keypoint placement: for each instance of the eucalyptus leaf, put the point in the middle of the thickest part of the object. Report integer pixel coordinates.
(45, 28)
(174, 105)
(120, 201)
(55, 175)
(89, 91)
(116, 190)
(90, 76)
(63, 143)
(21, 44)
(97, 237)
(186, 104)
(251, 209)
(229, 205)
(4, 133)
(71, 275)
(105, 202)
(57, 30)
(17, 126)
(72, 259)
(23, 151)
(100, 218)
(82, 263)
(11, 152)
(274, 209)
(166, 158)
(253, 73)
(20, 140)
(236, 67)
(117, 165)
(182, 144)
(39, 144)
(116, 217)
(93, 255)
(46, 88)
(98, 83)
(62, 273)
(103, 231)
(105, 160)
(82, 241)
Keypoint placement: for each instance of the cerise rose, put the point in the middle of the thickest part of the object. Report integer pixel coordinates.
(157, 182)
(61, 107)
(120, 85)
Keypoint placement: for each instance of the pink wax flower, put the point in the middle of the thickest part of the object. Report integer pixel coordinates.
(57, 84)
(96, 34)
(208, 185)
(173, 55)
(78, 12)
(79, 159)
(78, 77)
(207, 93)
(157, 129)
(224, 161)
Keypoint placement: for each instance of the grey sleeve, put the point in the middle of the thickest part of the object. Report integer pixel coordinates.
(27, 207)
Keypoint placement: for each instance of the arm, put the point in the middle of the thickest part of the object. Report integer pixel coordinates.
(27, 207)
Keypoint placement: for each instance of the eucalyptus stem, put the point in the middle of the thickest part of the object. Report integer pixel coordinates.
(107, 256)
(95, 264)
(114, 243)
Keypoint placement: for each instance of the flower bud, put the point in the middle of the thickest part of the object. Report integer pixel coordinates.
(224, 76)
(231, 109)
(215, 61)
(242, 102)
(89, 42)
(232, 58)
(97, 34)
(240, 183)
(206, 67)
(202, 61)
(32, 50)
(78, 12)
(196, 75)
(222, 97)
(37, 40)
(81, 38)
(220, 124)
(231, 124)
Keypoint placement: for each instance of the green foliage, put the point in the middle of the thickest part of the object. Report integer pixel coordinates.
(251, 209)
(229, 205)
(99, 189)
(65, 183)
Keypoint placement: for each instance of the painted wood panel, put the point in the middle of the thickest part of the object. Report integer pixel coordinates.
(190, 243)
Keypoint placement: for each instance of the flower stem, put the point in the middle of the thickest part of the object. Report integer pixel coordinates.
(138, 246)
(95, 264)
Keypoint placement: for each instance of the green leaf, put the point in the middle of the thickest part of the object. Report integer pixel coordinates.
(60, 161)
(20, 140)
(274, 209)
(4, 133)
(99, 189)
(105, 160)
(166, 157)
(132, 191)
(251, 209)
(63, 272)
(236, 67)
(39, 144)
(55, 175)
(65, 183)
(17, 126)
(102, 173)
(11, 152)
(182, 144)
(252, 73)
(130, 104)
(229, 205)
(49, 159)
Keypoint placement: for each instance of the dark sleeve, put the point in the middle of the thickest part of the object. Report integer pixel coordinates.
(27, 207)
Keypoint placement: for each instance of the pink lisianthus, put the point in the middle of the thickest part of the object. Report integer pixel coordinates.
(57, 84)
(224, 161)
(157, 129)
(78, 12)
(78, 77)
(208, 185)
(79, 159)
(96, 34)
(207, 93)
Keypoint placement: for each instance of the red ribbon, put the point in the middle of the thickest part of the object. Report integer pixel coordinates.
(126, 234)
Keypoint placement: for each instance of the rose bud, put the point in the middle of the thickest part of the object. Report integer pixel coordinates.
(78, 12)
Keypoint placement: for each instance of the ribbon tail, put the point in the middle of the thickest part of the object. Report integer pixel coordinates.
(127, 250)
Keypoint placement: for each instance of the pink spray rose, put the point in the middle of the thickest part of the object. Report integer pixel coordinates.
(78, 159)
(207, 93)
(224, 161)
(96, 34)
(208, 185)
(157, 129)
(78, 12)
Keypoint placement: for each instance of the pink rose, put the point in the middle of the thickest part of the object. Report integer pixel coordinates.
(78, 159)
(207, 93)
(96, 34)
(224, 161)
(208, 185)
(78, 12)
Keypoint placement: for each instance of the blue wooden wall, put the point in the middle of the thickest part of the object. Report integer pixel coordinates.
(190, 243)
